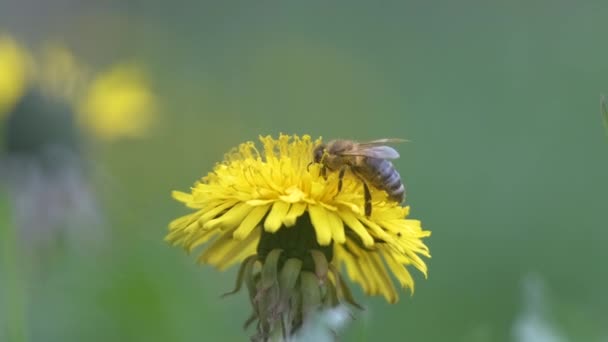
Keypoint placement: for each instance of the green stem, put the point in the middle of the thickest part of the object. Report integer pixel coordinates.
(276, 335)
(13, 283)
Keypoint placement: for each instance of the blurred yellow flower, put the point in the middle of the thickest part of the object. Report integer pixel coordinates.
(13, 73)
(115, 104)
(118, 104)
(269, 207)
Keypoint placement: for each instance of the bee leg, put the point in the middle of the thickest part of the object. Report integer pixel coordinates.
(368, 200)
(340, 178)
(367, 196)
(324, 172)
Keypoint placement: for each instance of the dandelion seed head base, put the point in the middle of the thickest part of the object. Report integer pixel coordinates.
(296, 242)
(285, 296)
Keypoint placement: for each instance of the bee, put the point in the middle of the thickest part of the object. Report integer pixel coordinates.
(368, 161)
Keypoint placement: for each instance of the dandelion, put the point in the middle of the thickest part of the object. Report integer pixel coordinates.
(51, 105)
(43, 164)
(113, 104)
(13, 73)
(293, 233)
(118, 104)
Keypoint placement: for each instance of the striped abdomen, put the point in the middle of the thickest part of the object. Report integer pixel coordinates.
(382, 174)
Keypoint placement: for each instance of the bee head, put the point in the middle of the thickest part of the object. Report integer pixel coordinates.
(318, 152)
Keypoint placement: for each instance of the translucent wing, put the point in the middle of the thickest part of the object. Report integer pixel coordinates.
(381, 142)
(380, 152)
(375, 149)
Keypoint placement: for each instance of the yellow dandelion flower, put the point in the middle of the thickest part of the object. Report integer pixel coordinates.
(118, 104)
(114, 104)
(293, 231)
(13, 73)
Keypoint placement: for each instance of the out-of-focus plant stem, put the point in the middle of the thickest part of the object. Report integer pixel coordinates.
(14, 295)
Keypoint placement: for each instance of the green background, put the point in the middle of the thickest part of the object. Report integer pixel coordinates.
(507, 164)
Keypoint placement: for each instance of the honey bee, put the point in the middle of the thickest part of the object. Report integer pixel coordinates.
(368, 161)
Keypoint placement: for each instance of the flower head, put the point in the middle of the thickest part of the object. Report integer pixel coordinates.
(44, 96)
(110, 105)
(13, 73)
(271, 205)
(118, 104)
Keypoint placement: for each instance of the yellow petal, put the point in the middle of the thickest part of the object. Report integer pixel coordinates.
(199, 238)
(403, 276)
(257, 202)
(318, 217)
(184, 221)
(352, 206)
(225, 251)
(369, 271)
(250, 222)
(376, 230)
(276, 216)
(354, 266)
(337, 227)
(182, 196)
(384, 280)
(328, 207)
(212, 212)
(294, 195)
(353, 223)
(230, 218)
(296, 210)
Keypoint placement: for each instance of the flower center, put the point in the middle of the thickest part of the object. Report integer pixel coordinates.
(296, 242)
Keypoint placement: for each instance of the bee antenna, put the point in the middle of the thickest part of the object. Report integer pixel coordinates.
(308, 166)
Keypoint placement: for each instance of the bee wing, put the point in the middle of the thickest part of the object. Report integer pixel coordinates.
(380, 152)
(380, 142)
(376, 149)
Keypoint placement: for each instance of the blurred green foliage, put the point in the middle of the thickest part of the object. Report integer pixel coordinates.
(507, 164)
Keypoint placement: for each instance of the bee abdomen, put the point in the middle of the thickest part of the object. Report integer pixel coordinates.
(393, 185)
(397, 195)
(386, 177)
